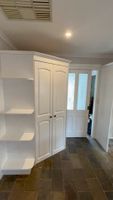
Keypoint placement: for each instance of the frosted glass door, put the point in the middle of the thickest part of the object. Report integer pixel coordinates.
(82, 92)
(71, 91)
(79, 83)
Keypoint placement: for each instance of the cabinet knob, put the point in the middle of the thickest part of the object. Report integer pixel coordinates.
(50, 116)
(54, 115)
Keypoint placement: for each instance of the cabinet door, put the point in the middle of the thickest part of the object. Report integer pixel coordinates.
(59, 108)
(43, 102)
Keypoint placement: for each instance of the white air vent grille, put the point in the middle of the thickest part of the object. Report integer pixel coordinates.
(27, 9)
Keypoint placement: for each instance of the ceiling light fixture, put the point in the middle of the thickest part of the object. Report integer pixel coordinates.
(68, 34)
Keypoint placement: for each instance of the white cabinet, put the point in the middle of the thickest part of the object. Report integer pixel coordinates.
(51, 90)
(33, 90)
(43, 102)
(59, 107)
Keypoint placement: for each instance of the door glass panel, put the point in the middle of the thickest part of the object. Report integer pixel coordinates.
(82, 91)
(71, 88)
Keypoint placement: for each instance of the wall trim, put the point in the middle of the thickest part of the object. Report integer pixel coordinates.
(85, 66)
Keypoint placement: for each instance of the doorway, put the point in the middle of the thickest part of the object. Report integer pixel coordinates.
(81, 88)
(110, 134)
(91, 103)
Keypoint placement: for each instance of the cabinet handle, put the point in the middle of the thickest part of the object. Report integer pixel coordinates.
(50, 116)
(54, 115)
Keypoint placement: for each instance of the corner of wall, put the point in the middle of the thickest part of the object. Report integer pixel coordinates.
(5, 43)
(1, 175)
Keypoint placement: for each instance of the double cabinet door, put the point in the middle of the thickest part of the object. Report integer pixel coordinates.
(50, 101)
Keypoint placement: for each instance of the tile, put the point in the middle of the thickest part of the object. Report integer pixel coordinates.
(94, 162)
(64, 155)
(85, 196)
(7, 183)
(75, 160)
(109, 195)
(66, 164)
(86, 165)
(104, 180)
(70, 192)
(96, 189)
(58, 196)
(4, 195)
(23, 195)
(57, 180)
(45, 188)
(79, 180)
(18, 185)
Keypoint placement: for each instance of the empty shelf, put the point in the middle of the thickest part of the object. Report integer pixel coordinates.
(17, 137)
(24, 78)
(18, 166)
(18, 111)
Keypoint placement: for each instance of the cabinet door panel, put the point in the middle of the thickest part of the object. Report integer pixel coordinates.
(59, 133)
(43, 102)
(44, 138)
(60, 86)
(59, 108)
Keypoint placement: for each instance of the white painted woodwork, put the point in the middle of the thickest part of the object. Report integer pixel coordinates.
(77, 119)
(104, 111)
(32, 90)
(110, 135)
(14, 111)
(59, 107)
(17, 137)
(43, 91)
(51, 95)
(14, 166)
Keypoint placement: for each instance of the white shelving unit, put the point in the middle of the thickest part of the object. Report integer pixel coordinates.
(18, 166)
(17, 137)
(32, 101)
(14, 111)
(17, 127)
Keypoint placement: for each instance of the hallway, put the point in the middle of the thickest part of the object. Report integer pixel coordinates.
(82, 172)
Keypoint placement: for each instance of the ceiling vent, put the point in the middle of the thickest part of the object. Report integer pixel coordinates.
(27, 9)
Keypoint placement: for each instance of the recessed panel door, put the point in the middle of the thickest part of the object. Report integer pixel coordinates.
(79, 83)
(59, 108)
(43, 102)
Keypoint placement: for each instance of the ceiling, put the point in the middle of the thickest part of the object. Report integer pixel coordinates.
(91, 23)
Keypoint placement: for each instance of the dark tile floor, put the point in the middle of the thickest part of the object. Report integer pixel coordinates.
(82, 172)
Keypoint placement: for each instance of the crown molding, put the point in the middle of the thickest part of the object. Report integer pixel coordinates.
(87, 56)
(85, 66)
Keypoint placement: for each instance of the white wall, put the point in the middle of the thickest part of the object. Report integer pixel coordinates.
(111, 124)
(105, 100)
(5, 43)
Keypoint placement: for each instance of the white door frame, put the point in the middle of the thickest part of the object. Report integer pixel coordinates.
(95, 104)
(95, 107)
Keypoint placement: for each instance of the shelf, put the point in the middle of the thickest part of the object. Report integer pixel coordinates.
(21, 78)
(17, 137)
(18, 166)
(18, 111)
